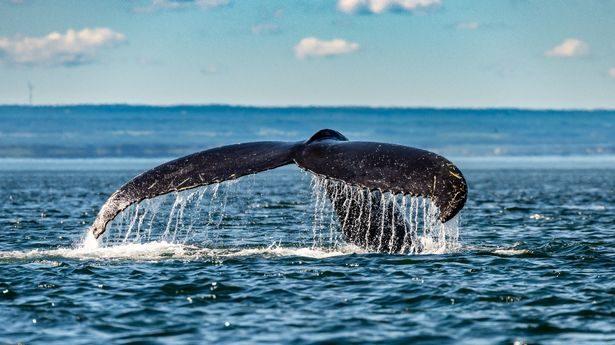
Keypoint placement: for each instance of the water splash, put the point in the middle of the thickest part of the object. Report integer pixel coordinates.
(381, 221)
(172, 218)
(155, 251)
(341, 214)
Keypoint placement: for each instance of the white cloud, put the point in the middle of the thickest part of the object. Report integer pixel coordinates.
(468, 26)
(157, 5)
(313, 47)
(612, 72)
(380, 6)
(570, 47)
(55, 49)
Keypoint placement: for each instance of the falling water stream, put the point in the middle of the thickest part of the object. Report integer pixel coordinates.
(423, 232)
(173, 218)
(198, 217)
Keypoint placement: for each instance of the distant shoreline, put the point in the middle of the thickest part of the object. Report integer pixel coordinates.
(214, 106)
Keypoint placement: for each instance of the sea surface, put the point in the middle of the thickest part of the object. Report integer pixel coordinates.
(244, 262)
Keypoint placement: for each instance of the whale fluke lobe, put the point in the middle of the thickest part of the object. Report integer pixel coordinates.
(376, 167)
(390, 168)
(195, 170)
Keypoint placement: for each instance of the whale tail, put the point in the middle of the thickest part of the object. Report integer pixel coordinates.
(375, 166)
(195, 170)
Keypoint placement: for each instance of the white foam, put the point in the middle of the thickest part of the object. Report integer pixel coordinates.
(146, 251)
(507, 251)
(164, 250)
(313, 252)
(430, 247)
(90, 242)
(511, 252)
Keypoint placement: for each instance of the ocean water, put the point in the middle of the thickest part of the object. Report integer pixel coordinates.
(534, 262)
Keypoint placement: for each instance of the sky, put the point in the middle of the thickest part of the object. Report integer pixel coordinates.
(407, 53)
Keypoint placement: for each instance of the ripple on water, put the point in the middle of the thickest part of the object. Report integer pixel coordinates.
(513, 278)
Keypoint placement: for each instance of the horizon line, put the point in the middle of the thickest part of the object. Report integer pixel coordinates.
(299, 106)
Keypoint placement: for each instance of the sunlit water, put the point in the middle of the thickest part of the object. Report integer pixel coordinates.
(260, 260)
(253, 262)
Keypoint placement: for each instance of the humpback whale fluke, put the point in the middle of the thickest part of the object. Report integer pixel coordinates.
(378, 167)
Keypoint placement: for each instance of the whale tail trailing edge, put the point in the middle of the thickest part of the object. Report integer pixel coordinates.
(375, 166)
(195, 170)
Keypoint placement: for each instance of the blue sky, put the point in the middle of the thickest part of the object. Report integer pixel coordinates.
(442, 53)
